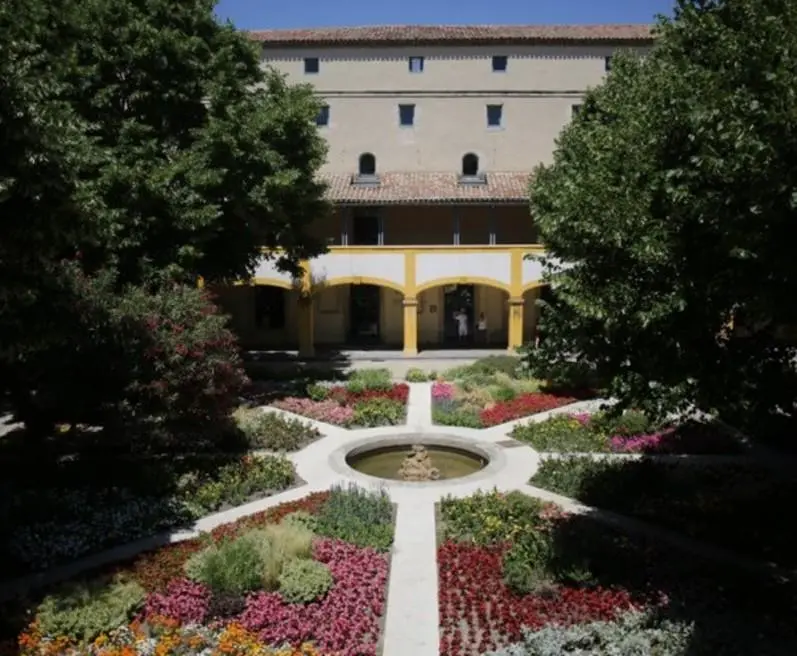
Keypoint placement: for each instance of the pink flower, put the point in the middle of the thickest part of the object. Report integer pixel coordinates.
(442, 391)
(183, 600)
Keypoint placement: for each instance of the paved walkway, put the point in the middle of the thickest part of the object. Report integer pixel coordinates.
(411, 623)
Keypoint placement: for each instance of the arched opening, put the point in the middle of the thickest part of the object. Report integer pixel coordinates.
(463, 316)
(470, 165)
(367, 164)
(359, 315)
(262, 315)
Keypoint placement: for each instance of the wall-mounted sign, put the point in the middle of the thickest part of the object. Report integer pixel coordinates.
(432, 309)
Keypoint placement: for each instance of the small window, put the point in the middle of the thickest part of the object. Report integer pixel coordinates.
(406, 115)
(367, 164)
(575, 110)
(269, 307)
(470, 165)
(322, 120)
(416, 64)
(311, 65)
(607, 64)
(494, 115)
(499, 63)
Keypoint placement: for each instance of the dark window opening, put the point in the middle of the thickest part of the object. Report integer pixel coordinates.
(607, 63)
(367, 164)
(269, 307)
(323, 116)
(575, 110)
(494, 113)
(365, 230)
(416, 64)
(499, 63)
(406, 115)
(470, 165)
(311, 65)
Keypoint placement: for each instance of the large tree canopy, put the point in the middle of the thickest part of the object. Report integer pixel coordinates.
(672, 200)
(143, 145)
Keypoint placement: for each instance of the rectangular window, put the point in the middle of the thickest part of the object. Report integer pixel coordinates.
(416, 64)
(270, 307)
(575, 110)
(494, 115)
(366, 230)
(311, 65)
(499, 63)
(406, 115)
(322, 120)
(607, 64)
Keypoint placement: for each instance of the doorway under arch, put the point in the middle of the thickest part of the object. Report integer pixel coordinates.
(451, 315)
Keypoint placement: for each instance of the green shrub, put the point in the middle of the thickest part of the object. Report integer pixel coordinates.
(526, 562)
(561, 434)
(456, 416)
(232, 567)
(269, 430)
(415, 375)
(569, 476)
(317, 392)
(236, 483)
(304, 581)
(370, 379)
(631, 634)
(506, 364)
(627, 424)
(359, 516)
(303, 519)
(287, 542)
(501, 393)
(82, 612)
(378, 412)
(490, 517)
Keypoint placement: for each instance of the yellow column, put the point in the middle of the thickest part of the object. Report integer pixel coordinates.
(200, 282)
(410, 306)
(515, 337)
(305, 314)
(515, 323)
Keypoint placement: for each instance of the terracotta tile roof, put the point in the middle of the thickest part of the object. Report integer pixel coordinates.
(452, 34)
(420, 188)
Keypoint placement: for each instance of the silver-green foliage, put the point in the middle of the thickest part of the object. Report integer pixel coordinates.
(632, 634)
(82, 612)
(303, 581)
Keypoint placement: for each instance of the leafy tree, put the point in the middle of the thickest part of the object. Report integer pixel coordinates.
(213, 157)
(143, 146)
(669, 212)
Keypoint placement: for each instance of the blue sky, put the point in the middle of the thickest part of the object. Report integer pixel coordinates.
(266, 14)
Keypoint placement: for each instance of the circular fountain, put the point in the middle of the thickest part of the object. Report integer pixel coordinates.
(418, 459)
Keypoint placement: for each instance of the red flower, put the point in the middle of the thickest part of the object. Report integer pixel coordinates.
(521, 406)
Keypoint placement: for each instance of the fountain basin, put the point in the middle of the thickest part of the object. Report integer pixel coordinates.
(378, 459)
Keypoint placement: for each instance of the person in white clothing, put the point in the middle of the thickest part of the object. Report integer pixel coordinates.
(481, 329)
(461, 318)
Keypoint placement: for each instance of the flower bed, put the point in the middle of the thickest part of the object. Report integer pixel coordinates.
(518, 576)
(318, 588)
(481, 607)
(368, 399)
(71, 509)
(478, 405)
(262, 429)
(739, 507)
(631, 432)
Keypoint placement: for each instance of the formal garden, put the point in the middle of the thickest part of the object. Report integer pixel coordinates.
(493, 391)
(155, 501)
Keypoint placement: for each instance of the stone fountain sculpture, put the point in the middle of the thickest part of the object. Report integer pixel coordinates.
(418, 466)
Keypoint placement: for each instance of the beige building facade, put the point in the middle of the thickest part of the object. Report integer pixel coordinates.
(433, 133)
